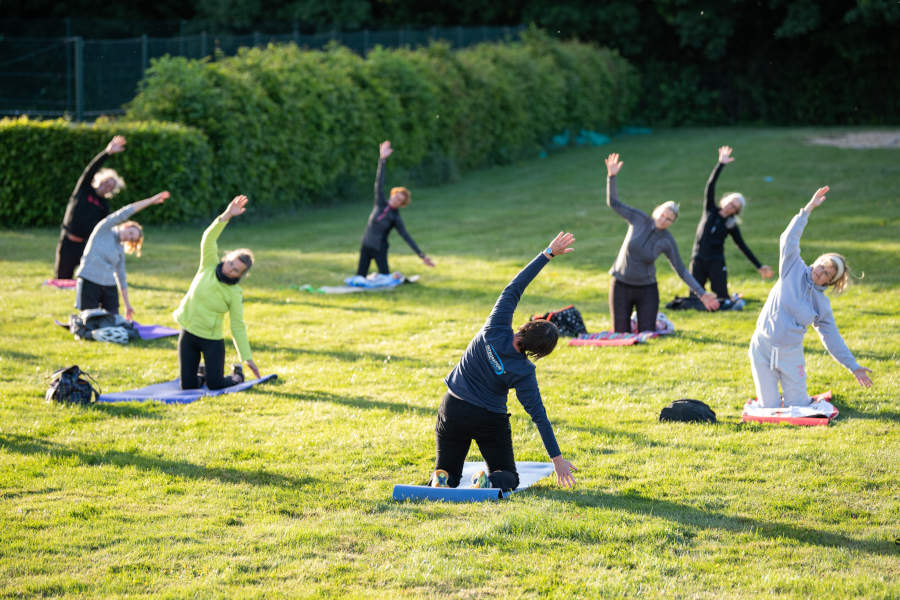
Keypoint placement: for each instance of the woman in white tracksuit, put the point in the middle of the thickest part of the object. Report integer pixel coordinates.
(797, 301)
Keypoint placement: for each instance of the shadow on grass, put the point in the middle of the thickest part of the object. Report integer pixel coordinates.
(849, 413)
(343, 355)
(23, 444)
(142, 411)
(695, 517)
(352, 401)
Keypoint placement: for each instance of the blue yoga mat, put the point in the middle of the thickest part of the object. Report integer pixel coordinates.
(170, 392)
(529, 473)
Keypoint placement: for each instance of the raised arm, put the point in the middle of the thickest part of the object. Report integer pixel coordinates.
(502, 313)
(789, 242)
(384, 150)
(613, 165)
(724, 159)
(209, 249)
(115, 145)
(128, 210)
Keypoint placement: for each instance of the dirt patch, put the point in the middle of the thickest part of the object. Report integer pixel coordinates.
(872, 139)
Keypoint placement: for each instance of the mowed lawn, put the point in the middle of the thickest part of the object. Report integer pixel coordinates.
(284, 491)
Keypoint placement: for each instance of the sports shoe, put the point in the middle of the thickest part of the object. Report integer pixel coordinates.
(237, 371)
(440, 478)
(480, 480)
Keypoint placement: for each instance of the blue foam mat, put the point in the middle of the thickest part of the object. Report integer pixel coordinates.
(170, 392)
(529, 473)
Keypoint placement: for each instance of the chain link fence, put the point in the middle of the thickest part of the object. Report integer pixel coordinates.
(85, 78)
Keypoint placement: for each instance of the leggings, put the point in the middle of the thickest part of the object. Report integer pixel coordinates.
(366, 254)
(713, 269)
(190, 347)
(93, 295)
(68, 256)
(458, 423)
(645, 300)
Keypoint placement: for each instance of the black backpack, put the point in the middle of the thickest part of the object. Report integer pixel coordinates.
(688, 411)
(568, 320)
(67, 386)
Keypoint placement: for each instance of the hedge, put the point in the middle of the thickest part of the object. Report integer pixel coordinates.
(289, 127)
(42, 160)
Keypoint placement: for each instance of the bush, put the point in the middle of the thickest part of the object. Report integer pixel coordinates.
(290, 126)
(42, 160)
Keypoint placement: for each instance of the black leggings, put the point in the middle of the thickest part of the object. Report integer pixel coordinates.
(93, 295)
(713, 269)
(366, 254)
(68, 256)
(645, 300)
(190, 347)
(458, 423)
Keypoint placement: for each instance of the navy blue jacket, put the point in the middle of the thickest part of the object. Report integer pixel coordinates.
(491, 366)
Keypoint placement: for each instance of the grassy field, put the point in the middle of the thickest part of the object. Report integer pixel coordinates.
(285, 491)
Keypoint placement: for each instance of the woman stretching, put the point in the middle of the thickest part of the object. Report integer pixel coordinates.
(103, 263)
(88, 205)
(384, 217)
(214, 292)
(496, 361)
(634, 272)
(796, 301)
(716, 223)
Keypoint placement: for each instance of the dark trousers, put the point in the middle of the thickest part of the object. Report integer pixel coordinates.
(93, 295)
(68, 256)
(643, 298)
(190, 347)
(458, 423)
(715, 271)
(366, 254)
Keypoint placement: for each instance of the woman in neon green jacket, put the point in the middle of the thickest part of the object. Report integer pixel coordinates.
(214, 292)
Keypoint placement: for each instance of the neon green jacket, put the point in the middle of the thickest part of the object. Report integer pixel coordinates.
(202, 310)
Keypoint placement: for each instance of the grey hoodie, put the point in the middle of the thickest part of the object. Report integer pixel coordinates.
(795, 302)
(103, 261)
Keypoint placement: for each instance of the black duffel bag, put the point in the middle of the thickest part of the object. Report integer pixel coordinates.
(688, 411)
(67, 386)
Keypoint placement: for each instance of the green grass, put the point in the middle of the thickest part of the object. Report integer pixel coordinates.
(285, 491)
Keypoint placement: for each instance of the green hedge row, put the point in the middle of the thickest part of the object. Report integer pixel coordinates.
(289, 126)
(41, 161)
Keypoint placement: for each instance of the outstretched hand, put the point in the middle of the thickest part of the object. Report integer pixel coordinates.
(384, 149)
(710, 301)
(817, 199)
(253, 368)
(160, 197)
(766, 272)
(428, 262)
(237, 207)
(725, 155)
(115, 145)
(562, 243)
(862, 376)
(563, 470)
(613, 164)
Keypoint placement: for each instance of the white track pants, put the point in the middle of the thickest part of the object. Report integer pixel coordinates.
(771, 365)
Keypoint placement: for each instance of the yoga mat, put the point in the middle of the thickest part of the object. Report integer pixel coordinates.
(820, 412)
(354, 289)
(611, 338)
(147, 332)
(170, 392)
(62, 284)
(529, 473)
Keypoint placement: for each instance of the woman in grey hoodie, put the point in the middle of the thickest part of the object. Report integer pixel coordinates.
(796, 301)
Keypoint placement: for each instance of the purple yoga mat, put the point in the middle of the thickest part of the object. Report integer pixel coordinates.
(170, 392)
(152, 332)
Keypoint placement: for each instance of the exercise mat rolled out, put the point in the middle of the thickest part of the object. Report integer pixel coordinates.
(820, 411)
(170, 392)
(529, 473)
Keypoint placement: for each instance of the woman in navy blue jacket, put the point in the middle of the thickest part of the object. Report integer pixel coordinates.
(496, 361)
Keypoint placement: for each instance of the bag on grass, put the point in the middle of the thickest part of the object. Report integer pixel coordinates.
(688, 411)
(101, 326)
(67, 386)
(568, 320)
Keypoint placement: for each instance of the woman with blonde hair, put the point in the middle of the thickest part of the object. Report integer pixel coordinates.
(796, 301)
(102, 266)
(201, 314)
(88, 205)
(633, 282)
(716, 223)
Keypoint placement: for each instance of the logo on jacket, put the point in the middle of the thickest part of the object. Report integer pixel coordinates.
(495, 361)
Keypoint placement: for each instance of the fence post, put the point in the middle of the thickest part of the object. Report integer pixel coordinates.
(296, 34)
(181, 38)
(202, 44)
(459, 36)
(79, 78)
(145, 55)
(256, 38)
(365, 41)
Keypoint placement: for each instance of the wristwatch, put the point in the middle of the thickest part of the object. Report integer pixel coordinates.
(549, 251)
